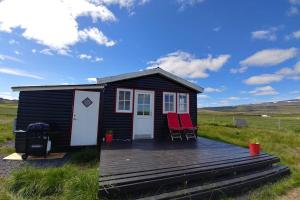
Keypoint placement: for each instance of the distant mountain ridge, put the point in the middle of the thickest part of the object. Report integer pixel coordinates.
(2, 100)
(287, 106)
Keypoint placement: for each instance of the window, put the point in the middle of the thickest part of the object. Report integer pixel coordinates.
(143, 104)
(169, 102)
(183, 103)
(124, 100)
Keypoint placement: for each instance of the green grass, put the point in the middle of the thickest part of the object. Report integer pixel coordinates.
(79, 178)
(74, 181)
(7, 115)
(283, 142)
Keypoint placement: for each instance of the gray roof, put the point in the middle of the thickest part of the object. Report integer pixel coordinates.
(56, 87)
(150, 72)
(102, 81)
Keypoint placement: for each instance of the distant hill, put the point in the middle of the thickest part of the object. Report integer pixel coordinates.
(8, 101)
(286, 107)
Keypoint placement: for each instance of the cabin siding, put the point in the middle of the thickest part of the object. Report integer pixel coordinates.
(54, 107)
(122, 123)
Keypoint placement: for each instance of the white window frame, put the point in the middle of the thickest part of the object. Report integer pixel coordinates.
(175, 100)
(188, 102)
(117, 100)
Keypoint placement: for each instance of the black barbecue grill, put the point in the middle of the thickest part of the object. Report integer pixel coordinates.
(36, 140)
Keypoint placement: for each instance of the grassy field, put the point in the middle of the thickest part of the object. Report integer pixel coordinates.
(282, 141)
(78, 179)
(7, 115)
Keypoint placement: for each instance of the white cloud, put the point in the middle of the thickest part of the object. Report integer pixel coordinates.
(294, 2)
(17, 52)
(294, 35)
(266, 34)
(8, 95)
(211, 89)
(124, 3)
(13, 42)
(18, 72)
(92, 80)
(183, 4)
(217, 29)
(47, 52)
(266, 90)
(270, 57)
(263, 79)
(51, 52)
(90, 58)
(85, 56)
(293, 10)
(224, 102)
(96, 35)
(33, 50)
(202, 96)
(98, 59)
(233, 98)
(50, 22)
(238, 70)
(10, 58)
(285, 72)
(186, 65)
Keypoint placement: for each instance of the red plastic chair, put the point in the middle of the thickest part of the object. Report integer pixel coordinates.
(189, 129)
(174, 126)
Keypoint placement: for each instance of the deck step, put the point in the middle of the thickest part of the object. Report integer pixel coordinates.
(227, 186)
(130, 182)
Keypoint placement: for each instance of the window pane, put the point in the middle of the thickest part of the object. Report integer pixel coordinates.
(184, 99)
(171, 98)
(127, 105)
(147, 99)
(171, 107)
(184, 107)
(147, 108)
(127, 95)
(140, 108)
(167, 106)
(121, 95)
(167, 99)
(140, 98)
(121, 105)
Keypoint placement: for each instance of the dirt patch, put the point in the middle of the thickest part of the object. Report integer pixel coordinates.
(293, 194)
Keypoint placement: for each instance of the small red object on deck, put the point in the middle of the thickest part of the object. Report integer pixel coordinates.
(108, 137)
(254, 149)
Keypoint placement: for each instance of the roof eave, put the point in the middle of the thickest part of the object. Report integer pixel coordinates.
(56, 87)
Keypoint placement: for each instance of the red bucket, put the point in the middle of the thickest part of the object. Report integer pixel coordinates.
(108, 138)
(254, 149)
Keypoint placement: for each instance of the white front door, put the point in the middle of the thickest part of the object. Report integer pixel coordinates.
(143, 118)
(85, 118)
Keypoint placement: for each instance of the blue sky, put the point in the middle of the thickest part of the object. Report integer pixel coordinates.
(240, 51)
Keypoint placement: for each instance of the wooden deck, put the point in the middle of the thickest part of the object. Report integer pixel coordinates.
(153, 169)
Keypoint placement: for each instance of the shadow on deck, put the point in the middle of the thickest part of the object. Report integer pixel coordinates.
(194, 169)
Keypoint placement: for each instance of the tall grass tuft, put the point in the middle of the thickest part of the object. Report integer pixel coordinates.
(82, 186)
(36, 183)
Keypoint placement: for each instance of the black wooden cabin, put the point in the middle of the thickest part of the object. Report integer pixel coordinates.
(133, 106)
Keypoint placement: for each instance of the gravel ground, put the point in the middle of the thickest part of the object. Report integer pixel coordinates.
(6, 166)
